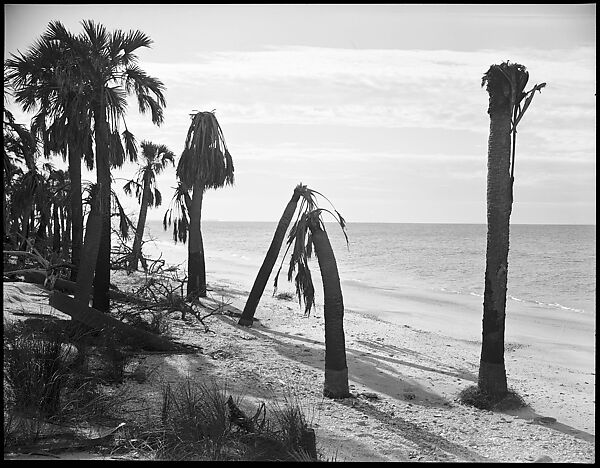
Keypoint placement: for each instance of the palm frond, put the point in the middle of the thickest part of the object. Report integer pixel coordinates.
(156, 199)
(205, 158)
(300, 242)
(130, 145)
(177, 215)
(124, 222)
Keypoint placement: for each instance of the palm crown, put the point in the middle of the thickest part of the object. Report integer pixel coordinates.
(205, 158)
(156, 159)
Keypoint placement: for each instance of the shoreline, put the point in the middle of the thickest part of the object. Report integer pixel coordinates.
(541, 343)
(416, 373)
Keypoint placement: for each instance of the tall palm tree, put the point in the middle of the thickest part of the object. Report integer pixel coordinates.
(308, 232)
(301, 191)
(156, 158)
(205, 163)
(505, 85)
(106, 73)
(43, 79)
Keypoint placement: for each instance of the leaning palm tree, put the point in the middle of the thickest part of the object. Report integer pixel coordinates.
(307, 232)
(301, 191)
(507, 103)
(106, 72)
(156, 158)
(205, 163)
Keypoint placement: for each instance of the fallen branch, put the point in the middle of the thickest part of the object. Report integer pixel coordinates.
(97, 320)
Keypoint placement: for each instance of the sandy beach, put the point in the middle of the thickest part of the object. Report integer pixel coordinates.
(415, 363)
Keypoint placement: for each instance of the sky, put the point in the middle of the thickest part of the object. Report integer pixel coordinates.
(378, 107)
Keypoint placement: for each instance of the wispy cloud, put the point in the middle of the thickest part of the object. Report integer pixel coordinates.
(377, 88)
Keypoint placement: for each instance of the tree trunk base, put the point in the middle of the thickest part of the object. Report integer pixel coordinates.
(492, 380)
(245, 322)
(336, 384)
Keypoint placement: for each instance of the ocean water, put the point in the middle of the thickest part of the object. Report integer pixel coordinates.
(550, 266)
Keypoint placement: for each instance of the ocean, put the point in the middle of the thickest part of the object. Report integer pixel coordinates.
(551, 267)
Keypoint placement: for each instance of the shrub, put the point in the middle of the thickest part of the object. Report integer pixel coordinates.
(36, 369)
(201, 422)
(474, 396)
(286, 296)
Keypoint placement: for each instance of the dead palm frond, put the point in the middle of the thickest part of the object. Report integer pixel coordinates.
(516, 76)
(177, 214)
(205, 158)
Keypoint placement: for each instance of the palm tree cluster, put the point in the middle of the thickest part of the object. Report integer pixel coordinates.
(36, 202)
(78, 85)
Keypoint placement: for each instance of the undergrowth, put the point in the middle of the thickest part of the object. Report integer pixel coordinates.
(203, 421)
(474, 396)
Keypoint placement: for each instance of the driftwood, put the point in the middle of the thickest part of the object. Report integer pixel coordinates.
(38, 276)
(255, 425)
(239, 418)
(69, 442)
(93, 318)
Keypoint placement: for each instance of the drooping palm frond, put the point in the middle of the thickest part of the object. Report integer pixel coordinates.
(177, 214)
(90, 194)
(205, 158)
(131, 186)
(124, 222)
(130, 145)
(301, 244)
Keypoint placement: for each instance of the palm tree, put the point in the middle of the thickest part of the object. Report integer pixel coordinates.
(205, 163)
(308, 232)
(271, 257)
(27, 186)
(156, 158)
(43, 79)
(106, 73)
(507, 103)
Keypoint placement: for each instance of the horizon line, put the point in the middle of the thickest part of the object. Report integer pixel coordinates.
(214, 220)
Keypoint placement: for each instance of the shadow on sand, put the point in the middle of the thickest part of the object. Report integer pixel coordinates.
(365, 365)
(550, 422)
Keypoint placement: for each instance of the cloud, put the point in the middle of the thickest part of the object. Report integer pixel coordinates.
(384, 88)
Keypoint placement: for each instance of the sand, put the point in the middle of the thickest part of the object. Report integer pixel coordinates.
(415, 362)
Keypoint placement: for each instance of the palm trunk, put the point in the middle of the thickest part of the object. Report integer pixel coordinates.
(27, 225)
(42, 230)
(139, 232)
(336, 369)
(267, 266)
(76, 210)
(102, 278)
(196, 265)
(492, 371)
(55, 229)
(90, 248)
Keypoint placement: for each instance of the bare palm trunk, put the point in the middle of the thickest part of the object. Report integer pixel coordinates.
(336, 369)
(102, 277)
(492, 371)
(196, 265)
(267, 266)
(76, 210)
(139, 232)
(56, 229)
(90, 248)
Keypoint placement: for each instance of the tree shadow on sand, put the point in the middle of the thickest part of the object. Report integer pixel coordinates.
(428, 443)
(370, 369)
(547, 421)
